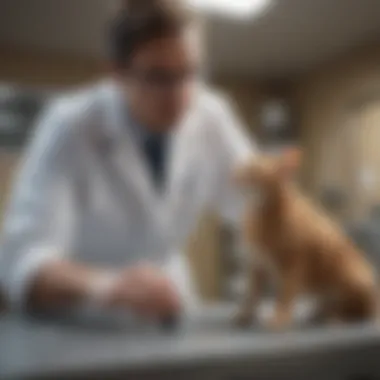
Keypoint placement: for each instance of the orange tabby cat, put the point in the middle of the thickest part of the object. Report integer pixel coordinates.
(296, 244)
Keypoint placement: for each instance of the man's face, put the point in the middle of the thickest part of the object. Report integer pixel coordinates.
(160, 80)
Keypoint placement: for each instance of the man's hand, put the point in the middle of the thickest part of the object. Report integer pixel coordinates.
(147, 291)
(143, 289)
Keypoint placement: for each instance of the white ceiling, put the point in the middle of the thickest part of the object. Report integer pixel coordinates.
(292, 36)
(295, 35)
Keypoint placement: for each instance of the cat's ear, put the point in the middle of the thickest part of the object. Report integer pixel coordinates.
(290, 162)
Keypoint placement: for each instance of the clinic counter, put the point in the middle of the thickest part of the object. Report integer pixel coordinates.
(204, 346)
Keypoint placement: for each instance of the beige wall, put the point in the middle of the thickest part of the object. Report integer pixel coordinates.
(43, 68)
(8, 162)
(329, 103)
(246, 98)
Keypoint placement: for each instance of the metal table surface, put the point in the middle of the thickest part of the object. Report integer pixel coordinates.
(205, 346)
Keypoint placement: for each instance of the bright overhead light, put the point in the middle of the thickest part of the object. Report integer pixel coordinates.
(233, 8)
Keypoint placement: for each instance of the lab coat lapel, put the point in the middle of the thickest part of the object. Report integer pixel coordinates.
(180, 176)
(182, 159)
(126, 160)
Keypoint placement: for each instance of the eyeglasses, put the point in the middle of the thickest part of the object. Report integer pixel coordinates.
(163, 79)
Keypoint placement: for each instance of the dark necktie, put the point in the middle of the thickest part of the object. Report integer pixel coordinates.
(155, 152)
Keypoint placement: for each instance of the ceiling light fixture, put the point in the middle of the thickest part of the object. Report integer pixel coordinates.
(233, 8)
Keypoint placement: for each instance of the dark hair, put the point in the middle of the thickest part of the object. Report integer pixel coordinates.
(137, 22)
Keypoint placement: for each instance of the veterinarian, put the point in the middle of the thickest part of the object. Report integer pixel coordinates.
(117, 175)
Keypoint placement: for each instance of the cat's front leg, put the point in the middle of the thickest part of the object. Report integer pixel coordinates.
(290, 288)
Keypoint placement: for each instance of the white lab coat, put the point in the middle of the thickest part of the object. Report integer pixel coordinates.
(83, 191)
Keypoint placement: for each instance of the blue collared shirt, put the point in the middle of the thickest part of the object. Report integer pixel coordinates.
(155, 148)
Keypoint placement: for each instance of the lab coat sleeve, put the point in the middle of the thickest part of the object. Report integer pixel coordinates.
(234, 146)
(39, 205)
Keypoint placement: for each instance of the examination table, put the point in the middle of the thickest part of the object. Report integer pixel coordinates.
(204, 345)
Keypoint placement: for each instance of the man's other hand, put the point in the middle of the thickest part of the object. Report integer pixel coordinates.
(146, 290)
